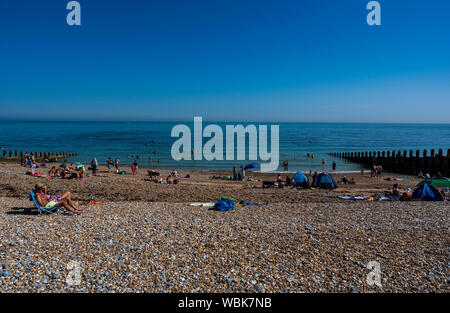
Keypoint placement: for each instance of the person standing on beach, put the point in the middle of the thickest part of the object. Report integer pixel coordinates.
(109, 163)
(94, 165)
(242, 173)
(373, 171)
(314, 180)
(235, 175)
(134, 167)
(150, 162)
(117, 163)
(323, 164)
(25, 160)
(334, 165)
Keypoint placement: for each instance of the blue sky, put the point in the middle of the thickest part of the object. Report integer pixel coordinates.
(308, 61)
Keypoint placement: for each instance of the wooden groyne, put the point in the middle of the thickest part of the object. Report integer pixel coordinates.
(406, 162)
(17, 156)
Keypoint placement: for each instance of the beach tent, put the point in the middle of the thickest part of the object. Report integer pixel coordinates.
(300, 178)
(250, 166)
(427, 193)
(326, 181)
(436, 182)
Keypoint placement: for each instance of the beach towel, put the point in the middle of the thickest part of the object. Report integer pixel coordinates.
(204, 204)
(368, 198)
(242, 203)
(351, 197)
(391, 179)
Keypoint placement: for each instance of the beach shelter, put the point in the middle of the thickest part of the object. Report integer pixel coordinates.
(326, 181)
(78, 165)
(300, 178)
(427, 193)
(435, 182)
(250, 166)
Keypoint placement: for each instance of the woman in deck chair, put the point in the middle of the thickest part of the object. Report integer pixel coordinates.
(49, 201)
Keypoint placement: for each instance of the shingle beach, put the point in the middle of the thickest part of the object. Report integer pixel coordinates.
(146, 237)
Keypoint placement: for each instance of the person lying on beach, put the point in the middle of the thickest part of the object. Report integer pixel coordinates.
(46, 200)
(344, 180)
(406, 196)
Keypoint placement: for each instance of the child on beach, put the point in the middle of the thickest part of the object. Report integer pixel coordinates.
(134, 167)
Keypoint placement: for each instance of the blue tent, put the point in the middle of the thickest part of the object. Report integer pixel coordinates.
(427, 193)
(326, 181)
(299, 178)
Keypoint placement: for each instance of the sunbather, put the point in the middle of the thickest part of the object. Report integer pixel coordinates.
(52, 172)
(406, 196)
(280, 181)
(49, 201)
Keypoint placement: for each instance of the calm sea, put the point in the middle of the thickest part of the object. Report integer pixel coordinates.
(126, 140)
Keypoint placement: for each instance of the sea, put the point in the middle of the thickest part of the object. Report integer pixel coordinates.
(130, 141)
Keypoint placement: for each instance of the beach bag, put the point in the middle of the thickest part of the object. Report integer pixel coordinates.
(224, 205)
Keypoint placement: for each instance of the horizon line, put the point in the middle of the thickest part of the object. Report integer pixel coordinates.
(211, 121)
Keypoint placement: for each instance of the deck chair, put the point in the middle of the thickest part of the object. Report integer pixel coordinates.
(41, 209)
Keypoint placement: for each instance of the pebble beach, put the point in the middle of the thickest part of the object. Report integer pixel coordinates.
(146, 237)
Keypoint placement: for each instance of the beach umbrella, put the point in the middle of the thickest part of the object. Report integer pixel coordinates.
(250, 166)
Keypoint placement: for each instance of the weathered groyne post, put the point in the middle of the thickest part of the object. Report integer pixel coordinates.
(17, 156)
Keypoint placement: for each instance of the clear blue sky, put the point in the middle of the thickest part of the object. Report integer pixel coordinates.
(232, 60)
